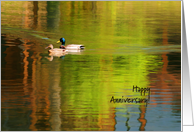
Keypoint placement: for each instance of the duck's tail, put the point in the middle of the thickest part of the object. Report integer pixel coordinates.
(82, 47)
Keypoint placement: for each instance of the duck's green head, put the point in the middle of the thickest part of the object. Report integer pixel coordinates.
(62, 40)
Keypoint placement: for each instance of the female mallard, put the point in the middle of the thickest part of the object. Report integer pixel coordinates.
(71, 46)
(55, 50)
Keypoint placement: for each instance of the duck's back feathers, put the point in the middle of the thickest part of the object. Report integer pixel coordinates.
(74, 47)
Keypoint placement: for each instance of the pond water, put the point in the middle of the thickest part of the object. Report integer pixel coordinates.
(127, 44)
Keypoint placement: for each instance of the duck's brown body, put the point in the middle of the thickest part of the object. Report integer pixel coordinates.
(55, 50)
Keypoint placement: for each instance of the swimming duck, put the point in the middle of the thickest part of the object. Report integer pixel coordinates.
(70, 46)
(55, 50)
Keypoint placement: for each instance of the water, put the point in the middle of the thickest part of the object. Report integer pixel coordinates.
(127, 44)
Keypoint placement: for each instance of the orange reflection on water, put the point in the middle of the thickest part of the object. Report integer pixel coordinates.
(168, 84)
(142, 117)
(26, 55)
(33, 97)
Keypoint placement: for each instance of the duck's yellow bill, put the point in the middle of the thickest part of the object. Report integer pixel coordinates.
(58, 41)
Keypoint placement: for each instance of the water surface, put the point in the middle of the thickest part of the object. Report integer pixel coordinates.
(127, 44)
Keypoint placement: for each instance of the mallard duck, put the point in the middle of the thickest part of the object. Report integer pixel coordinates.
(55, 50)
(70, 46)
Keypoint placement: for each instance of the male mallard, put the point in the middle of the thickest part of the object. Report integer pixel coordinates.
(71, 46)
(55, 50)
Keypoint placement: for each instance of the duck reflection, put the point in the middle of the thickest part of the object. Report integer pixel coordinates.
(63, 54)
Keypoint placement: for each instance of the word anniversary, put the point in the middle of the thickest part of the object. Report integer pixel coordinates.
(128, 100)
